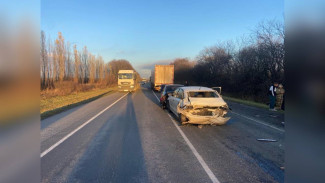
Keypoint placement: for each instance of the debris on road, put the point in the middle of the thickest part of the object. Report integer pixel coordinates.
(273, 116)
(267, 140)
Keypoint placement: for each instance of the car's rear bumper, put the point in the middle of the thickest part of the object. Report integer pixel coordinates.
(205, 120)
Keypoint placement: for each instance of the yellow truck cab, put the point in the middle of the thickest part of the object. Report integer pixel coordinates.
(126, 80)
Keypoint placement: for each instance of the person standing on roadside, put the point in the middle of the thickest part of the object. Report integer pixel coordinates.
(186, 83)
(272, 96)
(279, 96)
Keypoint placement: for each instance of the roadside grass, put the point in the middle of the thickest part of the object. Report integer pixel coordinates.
(249, 102)
(246, 102)
(54, 105)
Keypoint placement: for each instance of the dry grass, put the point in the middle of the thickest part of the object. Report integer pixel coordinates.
(69, 87)
(249, 102)
(55, 102)
(246, 102)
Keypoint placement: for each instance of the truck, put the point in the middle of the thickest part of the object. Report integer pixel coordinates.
(127, 80)
(162, 74)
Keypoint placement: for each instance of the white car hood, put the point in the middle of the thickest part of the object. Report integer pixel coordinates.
(206, 102)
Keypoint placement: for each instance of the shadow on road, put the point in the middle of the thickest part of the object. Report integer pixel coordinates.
(115, 153)
(151, 96)
(147, 91)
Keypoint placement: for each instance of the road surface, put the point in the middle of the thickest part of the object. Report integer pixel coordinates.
(127, 137)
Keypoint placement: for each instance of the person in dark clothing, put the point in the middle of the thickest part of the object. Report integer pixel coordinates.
(186, 83)
(272, 96)
(283, 105)
(279, 96)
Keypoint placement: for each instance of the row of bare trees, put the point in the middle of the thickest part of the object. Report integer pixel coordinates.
(244, 70)
(61, 63)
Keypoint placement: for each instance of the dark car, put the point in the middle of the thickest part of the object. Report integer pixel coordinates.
(164, 94)
(162, 88)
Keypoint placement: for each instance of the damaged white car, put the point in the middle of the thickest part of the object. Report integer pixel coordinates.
(198, 105)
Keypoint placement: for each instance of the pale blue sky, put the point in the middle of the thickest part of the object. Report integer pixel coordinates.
(14, 12)
(146, 31)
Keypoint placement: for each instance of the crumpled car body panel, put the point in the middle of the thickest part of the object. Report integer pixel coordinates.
(205, 115)
(207, 120)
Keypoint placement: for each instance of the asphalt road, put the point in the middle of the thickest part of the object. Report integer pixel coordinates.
(134, 140)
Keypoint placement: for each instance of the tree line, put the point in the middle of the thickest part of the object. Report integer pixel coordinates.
(245, 69)
(62, 62)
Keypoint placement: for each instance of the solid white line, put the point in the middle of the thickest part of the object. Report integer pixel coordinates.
(196, 154)
(259, 122)
(77, 129)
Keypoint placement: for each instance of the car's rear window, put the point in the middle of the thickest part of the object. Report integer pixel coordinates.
(203, 94)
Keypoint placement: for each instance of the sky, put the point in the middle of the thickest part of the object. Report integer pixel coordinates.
(15, 12)
(154, 31)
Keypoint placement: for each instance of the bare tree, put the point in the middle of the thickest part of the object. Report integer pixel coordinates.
(101, 69)
(84, 63)
(59, 63)
(50, 66)
(44, 61)
(183, 68)
(68, 61)
(60, 53)
(76, 64)
(115, 66)
(92, 68)
(244, 70)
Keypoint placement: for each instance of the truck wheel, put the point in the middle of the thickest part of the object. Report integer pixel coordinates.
(182, 118)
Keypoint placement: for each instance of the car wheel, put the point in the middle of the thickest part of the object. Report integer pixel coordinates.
(168, 106)
(163, 105)
(182, 118)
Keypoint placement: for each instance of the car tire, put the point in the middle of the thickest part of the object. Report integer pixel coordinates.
(182, 118)
(167, 106)
(163, 106)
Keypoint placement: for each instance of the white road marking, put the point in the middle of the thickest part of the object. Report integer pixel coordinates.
(259, 122)
(190, 145)
(77, 129)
